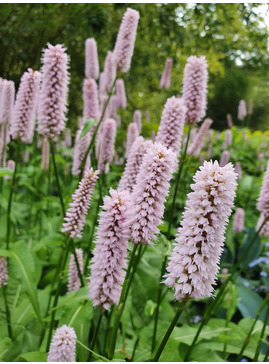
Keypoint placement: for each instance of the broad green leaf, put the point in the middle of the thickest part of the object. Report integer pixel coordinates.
(249, 302)
(35, 356)
(203, 353)
(87, 127)
(6, 172)
(186, 334)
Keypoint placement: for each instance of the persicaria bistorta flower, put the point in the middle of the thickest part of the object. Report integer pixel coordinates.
(24, 112)
(109, 73)
(134, 161)
(242, 110)
(229, 120)
(81, 146)
(150, 192)
(238, 224)
(90, 100)
(137, 119)
(197, 145)
(73, 276)
(53, 94)
(132, 134)
(228, 139)
(165, 81)
(63, 345)
(3, 271)
(238, 169)
(76, 214)
(194, 260)
(172, 123)
(195, 88)
(263, 200)
(124, 47)
(107, 149)
(7, 101)
(91, 59)
(264, 232)
(224, 158)
(110, 252)
(121, 95)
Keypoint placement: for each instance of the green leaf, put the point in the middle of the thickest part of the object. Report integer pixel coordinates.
(35, 356)
(6, 172)
(4, 253)
(249, 302)
(87, 127)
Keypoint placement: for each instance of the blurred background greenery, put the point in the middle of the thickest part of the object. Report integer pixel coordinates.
(234, 38)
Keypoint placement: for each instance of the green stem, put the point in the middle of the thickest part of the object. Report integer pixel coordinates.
(96, 130)
(168, 332)
(9, 327)
(91, 351)
(96, 330)
(77, 264)
(57, 294)
(12, 188)
(210, 310)
(258, 349)
(180, 168)
(52, 148)
(266, 355)
(247, 339)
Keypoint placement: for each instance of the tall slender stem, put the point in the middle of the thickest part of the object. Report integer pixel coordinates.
(52, 148)
(12, 188)
(96, 330)
(77, 263)
(9, 327)
(168, 332)
(209, 312)
(96, 130)
(258, 349)
(180, 168)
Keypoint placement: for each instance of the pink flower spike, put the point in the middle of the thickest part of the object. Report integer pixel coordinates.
(124, 46)
(132, 134)
(195, 148)
(63, 345)
(121, 95)
(78, 209)
(224, 158)
(195, 88)
(3, 271)
(109, 73)
(81, 146)
(91, 59)
(73, 277)
(238, 224)
(110, 252)
(263, 200)
(242, 110)
(137, 119)
(238, 169)
(229, 120)
(107, 150)
(90, 100)
(194, 260)
(7, 102)
(53, 94)
(165, 81)
(24, 113)
(150, 192)
(172, 124)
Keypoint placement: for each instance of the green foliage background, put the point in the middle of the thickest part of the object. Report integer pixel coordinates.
(232, 36)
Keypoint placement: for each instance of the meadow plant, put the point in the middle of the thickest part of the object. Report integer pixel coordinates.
(7, 102)
(63, 345)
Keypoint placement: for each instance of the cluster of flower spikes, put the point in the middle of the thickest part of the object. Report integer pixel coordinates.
(172, 124)
(194, 260)
(133, 164)
(24, 112)
(63, 345)
(195, 88)
(53, 94)
(124, 47)
(76, 214)
(150, 192)
(110, 252)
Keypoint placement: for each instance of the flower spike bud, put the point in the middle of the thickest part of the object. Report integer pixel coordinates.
(73, 277)
(3, 271)
(63, 345)
(90, 100)
(238, 224)
(91, 59)
(197, 145)
(224, 158)
(165, 81)
(138, 120)
(132, 134)
(7, 102)
(109, 72)
(242, 110)
(263, 200)
(107, 149)
(121, 95)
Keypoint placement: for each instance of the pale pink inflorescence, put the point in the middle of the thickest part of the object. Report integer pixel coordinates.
(124, 47)
(242, 110)
(78, 209)
(91, 59)
(172, 123)
(263, 200)
(63, 345)
(228, 139)
(195, 148)
(113, 104)
(195, 88)
(238, 224)
(165, 81)
(121, 95)
(74, 283)
(109, 72)
(7, 101)
(132, 134)
(24, 112)
(4, 140)
(229, 120)
(45, 154)
(137, 119)
(107, 149)
(194, 260)
(110, 252)
(81, 146)
(134, 161)
(90, 100)
(150, 192)
(224, 158)
(3, 271)
(238, 169)
(264, 233)
(53, 94)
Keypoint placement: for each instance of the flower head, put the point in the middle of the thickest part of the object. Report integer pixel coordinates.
(229, 120)
(110, 252)
(224, 158)
(242, 110)
(90, 100)
(3, 271)
(107, 150)
(137, 119)
(238, 169)
(121, 95)
(263, 200)
(109, 72)
(23, 117)
(91, 59)
(194, 260)
(132, 134)
(76, 214)
(63, 345)
(166, 76)
(53, 94)
(150, 192)
(195, 88)
(197, 145)
(7, 101)
(81, 146)
(238, 224)
(228, 138)
(124, 47)
(73, 277)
